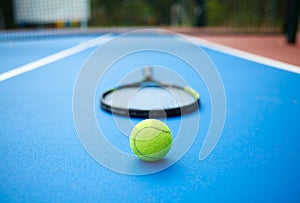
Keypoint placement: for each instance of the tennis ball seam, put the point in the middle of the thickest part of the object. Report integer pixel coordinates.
(150, 156)
(135, 136)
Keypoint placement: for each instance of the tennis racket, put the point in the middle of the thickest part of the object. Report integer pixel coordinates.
(150, 98)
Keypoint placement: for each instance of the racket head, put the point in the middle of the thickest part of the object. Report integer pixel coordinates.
(150, 98)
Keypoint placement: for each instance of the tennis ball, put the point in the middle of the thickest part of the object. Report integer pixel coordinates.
(150, 140)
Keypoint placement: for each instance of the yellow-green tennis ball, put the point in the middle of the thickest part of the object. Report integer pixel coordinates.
(150, 140)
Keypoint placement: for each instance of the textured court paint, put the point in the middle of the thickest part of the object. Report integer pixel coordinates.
(54, 57)
(256, 160)
(24, 55)
(245, 55)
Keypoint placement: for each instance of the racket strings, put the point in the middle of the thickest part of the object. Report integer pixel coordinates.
(149, 97)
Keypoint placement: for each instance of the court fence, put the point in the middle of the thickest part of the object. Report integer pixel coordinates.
(246, 16)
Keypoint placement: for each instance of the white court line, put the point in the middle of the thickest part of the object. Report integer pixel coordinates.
(54, 57)
(244, 55)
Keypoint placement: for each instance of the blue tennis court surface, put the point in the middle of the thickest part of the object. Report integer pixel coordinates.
(257, 158)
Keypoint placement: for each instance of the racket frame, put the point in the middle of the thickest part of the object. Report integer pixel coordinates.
(148, 81)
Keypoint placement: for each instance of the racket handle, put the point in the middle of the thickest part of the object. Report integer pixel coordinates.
(148, 73)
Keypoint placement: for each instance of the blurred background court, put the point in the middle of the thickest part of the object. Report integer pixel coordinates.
(267, 28)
